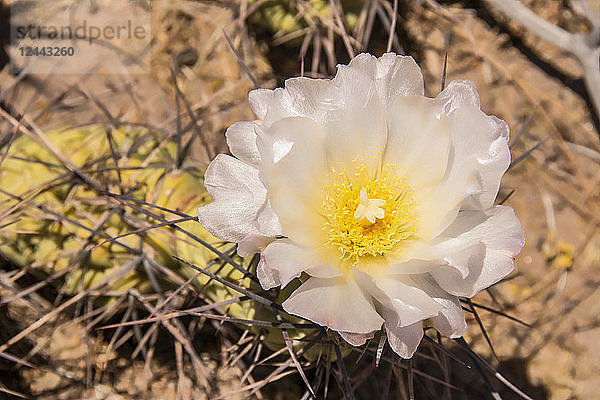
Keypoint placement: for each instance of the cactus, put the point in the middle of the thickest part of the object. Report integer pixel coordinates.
(43, 200)
(49, 243)
(284, 16)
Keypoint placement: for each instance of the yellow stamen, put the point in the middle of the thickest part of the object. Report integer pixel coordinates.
(369, 214)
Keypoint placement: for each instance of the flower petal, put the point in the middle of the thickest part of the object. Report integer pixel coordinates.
(272, 105)
(238, 196)
(267, 220)
(390, 75)
(241, 139)
(483, 273)
(324, 271)
(356, 339)
(313, 98)
(268, 277)
(393, 75)
(301, 220)
(253, 244)
(301, 97)
(497, 227)
(337, 303)
(460, 259)
(304, 165)
(459, 93)
(355, 125)
(437, 208)
(285, 260)
(478, 158)
(486, 243)
(404, 340)
(409, 302)
(418, 139)
(415, 266)
(296, 180)
(451, 320)
(477, 135)
(259, 100)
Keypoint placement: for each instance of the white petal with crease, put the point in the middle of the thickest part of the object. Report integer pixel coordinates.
(238, 196)
(409, 302)
(498, 237)
(336, 303)
(287, 259)
(450, 321)
(393, 75)
(404, 340)
(241, 139)
(418, 139)
(356, 339)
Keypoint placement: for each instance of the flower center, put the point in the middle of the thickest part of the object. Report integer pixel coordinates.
(369, 208)
(368, 214)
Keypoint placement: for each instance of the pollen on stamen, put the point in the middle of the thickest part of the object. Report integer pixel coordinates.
(368, 213)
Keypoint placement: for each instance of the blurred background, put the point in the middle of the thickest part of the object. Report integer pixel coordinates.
(85, 159)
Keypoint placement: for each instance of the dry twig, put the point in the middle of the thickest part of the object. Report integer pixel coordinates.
(585, 48)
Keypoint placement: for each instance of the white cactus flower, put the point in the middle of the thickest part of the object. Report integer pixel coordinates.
(381, 196)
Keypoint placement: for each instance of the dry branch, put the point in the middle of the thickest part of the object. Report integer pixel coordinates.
(585, 48)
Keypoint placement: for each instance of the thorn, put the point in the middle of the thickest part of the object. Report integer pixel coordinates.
(444, 72)
(521, 130)
(242, 63)
(524, 155)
